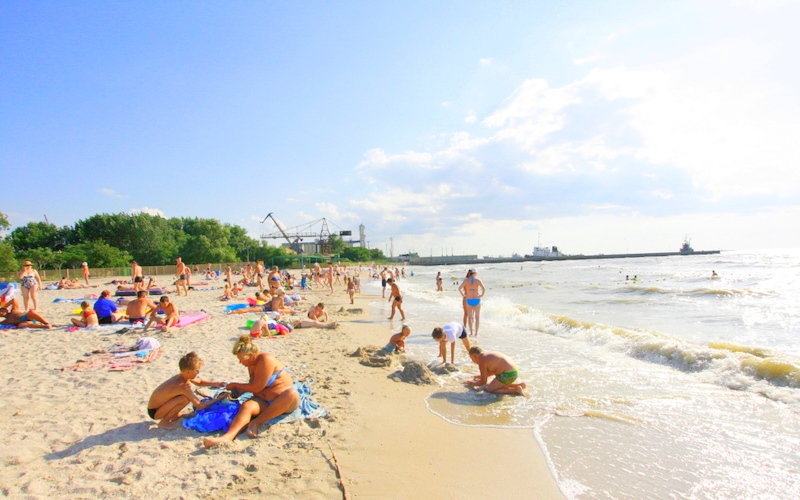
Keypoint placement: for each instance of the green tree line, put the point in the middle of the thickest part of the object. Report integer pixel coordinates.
(114, 240)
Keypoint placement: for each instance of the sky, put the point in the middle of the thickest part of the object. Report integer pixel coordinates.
(443, 127)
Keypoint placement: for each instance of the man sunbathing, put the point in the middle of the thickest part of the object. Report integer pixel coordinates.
(28, 319)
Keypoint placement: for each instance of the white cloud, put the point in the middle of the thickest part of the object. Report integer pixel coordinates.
(664, 195)
(730, 134)
(110, 192)
(580, 61)
(147, 210)
(485, 61)
(471, 117)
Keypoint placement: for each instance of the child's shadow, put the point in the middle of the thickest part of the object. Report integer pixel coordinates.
(132, 432)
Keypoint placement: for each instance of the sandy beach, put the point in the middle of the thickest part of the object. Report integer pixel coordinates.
(83, 434)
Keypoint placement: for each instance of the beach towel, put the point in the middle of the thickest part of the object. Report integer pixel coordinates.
(191, 319)
(233, 307)
(118, 358)
(87, 299)
(131, 293)
(218, 417)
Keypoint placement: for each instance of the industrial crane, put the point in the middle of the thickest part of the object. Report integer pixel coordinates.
(295, 235)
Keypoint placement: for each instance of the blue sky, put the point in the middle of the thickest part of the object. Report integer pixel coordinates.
(464, 127)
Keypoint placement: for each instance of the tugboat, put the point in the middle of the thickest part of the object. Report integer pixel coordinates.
(686, 248)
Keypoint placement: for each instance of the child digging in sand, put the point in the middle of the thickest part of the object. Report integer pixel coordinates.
(171, 397)
(398, 340)
(499, 365)
(449, 333)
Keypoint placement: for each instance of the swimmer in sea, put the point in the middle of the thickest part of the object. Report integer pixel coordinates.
(472, 290)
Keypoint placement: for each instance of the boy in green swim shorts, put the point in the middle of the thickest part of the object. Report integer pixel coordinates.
(499, 365)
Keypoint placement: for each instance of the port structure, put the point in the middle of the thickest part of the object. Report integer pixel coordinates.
(317, 230)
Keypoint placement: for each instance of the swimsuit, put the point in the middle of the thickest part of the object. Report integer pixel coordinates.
(28, 281)
(23, 318)
(507, 378)
(88, 313)
(135, 320)
(137, 279)
(473, 302)
(273, 377)
(105, 321)
(152, 412)
(182, 277)
(398, 299)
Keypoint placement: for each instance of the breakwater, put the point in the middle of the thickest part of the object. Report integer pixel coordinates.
(474, 259)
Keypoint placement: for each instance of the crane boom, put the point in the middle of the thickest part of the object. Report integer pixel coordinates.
(269, 216)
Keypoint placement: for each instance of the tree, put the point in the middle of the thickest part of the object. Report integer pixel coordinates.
(96, 253)
(200, 249)
(4, 225)
(41, 257)
(337, 245)
(376, 254)
(357, 254)
(150, 239)
(40, 235)
(242, 244)
(275, 256)
(7, 261)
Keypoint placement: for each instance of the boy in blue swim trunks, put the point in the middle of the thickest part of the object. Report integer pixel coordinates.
(397, 342)
(171, 397)
(450, 332)
(504, 371)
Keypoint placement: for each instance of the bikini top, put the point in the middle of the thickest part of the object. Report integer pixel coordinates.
(274, 377)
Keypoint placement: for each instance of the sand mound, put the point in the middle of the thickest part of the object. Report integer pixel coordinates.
(442, 368)
(373, 356)
(414, 372)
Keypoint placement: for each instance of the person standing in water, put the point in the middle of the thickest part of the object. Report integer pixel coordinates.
(472, 290)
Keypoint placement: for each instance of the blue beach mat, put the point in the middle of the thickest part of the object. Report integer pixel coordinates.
(234, 307)
(218, 417)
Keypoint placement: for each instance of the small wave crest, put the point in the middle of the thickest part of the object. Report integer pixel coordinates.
(731, 365)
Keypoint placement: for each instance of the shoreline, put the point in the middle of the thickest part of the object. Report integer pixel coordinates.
(87, 433)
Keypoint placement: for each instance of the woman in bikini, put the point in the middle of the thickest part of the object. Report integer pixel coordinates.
(472, 290)
(271, 386)
(31, 283)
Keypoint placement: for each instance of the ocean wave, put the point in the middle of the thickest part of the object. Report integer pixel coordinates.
(731, 365)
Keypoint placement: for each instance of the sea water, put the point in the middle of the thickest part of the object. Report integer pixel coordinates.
(672, 385)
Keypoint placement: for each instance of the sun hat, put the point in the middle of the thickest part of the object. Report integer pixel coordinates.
(27, 263)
